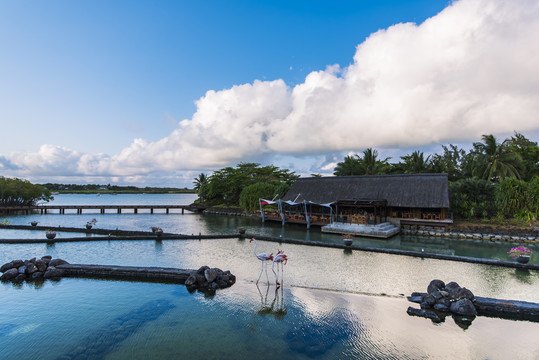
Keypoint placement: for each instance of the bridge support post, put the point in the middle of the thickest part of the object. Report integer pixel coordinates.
(135, 210)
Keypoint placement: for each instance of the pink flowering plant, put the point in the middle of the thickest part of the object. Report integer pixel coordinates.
(519, 251)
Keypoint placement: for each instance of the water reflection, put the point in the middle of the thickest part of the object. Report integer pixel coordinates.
(275, 306)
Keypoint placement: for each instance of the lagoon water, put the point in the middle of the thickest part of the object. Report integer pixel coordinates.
(333, 305)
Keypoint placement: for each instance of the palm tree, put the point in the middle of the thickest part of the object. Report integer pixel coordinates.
(350, 166)
(415, 163)
(200, 185)
(370, 163)
(494, 161)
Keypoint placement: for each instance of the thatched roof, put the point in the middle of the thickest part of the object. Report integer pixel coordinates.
(411, 190)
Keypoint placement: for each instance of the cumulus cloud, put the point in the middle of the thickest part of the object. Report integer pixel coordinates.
(468, 71)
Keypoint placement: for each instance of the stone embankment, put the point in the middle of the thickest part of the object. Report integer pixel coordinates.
(225, 211)
(497, 237)
(451, 299)
(203, 279)
(32, 270)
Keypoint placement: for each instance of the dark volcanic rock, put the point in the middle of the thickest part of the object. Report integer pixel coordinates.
(37, 275)
(435, 285)
(463, 307)
(7, 266)
(53, 272)
(451, 286)
(429, 299)
(202, 269)
(41, 265)
(191, 280)
(31, 268)
(17, 263)
(210, 274)
(56, 262)
(440, 307)
(464, 293)
(9, 274)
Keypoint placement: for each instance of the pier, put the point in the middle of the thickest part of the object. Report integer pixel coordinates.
(117, 209)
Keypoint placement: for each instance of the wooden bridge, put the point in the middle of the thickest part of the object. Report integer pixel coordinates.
(44, 209)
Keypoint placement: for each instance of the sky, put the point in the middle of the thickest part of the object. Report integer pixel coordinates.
(153, 93)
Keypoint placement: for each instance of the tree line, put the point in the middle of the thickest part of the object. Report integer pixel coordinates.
(18, 192)
(243, 185)
(493, 179)
(97, 188)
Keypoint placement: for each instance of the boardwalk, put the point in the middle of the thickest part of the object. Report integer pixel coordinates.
(117, 209)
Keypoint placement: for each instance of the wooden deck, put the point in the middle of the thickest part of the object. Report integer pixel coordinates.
(44, 209)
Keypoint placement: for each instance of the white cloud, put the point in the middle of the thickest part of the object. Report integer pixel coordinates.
(468, 71)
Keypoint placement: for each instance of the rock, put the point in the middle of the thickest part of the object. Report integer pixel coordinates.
(451, 285)
(202, 269)
(429, 299)
(201, 279)
(463, 293)
(222, 284)
(31, 268)
(7, 266)
(435, 285)
(440, 307)
(9, 274)
(444, 301)
(53, 272)
(425, 305)
(437, 295)
(463, 307)
(191, 280)
(210, 274)
(17, 263)
(37, 275)
(46, 258)
(41, 265)
(20, 278)
(56, 262)
(22, 269)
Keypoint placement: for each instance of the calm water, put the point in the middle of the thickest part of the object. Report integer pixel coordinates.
(330, 307)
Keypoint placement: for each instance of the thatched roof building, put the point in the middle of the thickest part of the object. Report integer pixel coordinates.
(402, 191)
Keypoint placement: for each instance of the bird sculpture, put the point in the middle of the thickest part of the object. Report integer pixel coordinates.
(280, 259)
(264, 258)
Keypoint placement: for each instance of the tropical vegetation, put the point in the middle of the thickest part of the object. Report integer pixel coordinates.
(243, 185)
(18, 192)
(493, 180)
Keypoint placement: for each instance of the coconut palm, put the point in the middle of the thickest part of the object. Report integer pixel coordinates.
(415, 163)
(350, 166)
(494, 161)
(201, 183)
(371, 165)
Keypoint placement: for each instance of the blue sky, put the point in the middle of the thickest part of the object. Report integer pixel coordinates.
(153, 93)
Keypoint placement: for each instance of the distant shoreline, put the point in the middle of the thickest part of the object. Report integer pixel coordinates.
(110, 192)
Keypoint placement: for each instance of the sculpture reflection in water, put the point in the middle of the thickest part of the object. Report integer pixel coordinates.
(276, 307)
